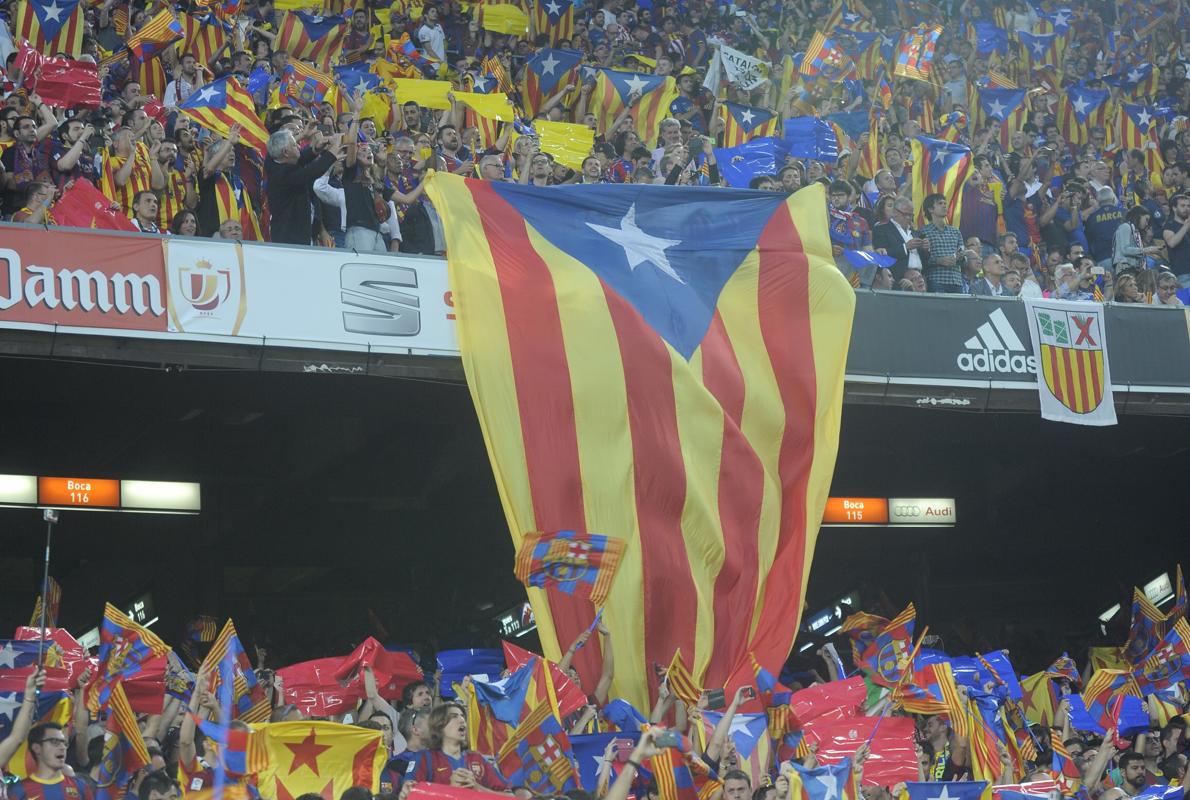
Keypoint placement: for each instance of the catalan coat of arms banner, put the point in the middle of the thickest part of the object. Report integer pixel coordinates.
(1073, 376)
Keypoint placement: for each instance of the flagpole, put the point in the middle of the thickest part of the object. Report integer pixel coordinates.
(50, 516)
(900, 682)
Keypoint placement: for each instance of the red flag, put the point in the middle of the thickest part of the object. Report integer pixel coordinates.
(146, 687)
(312, 686)
(84, 206)
(893, 758)
(835, 700)
(393, 671)
(440, 791)
(570, 697)
(61, 82)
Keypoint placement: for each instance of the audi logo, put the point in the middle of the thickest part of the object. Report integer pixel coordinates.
(907, 511)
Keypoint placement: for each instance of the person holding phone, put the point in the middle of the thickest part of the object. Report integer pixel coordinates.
(606, 674)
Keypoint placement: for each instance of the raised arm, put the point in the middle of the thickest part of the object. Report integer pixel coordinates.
(719, 737)
(24, 720)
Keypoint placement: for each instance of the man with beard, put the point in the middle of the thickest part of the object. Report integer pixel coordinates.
(1174, 233)
(72, 156)
(450, 145)
(179, 191)
(187, 78)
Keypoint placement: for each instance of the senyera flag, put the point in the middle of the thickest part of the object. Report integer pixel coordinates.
(664, 366)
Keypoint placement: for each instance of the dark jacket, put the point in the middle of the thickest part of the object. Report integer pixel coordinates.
(886, 236)
(290, 189)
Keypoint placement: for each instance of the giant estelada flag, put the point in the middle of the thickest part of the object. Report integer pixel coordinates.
(663, 365)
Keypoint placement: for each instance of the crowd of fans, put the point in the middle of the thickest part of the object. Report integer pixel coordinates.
(426, 737)
(1039, 216)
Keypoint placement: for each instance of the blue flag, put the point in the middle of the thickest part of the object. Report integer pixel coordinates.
(826, 782)
(739, 165)
(588, 755)
(1133, 718)
(624, 716)
(454, 665)
(356, 79)
(990, 38)
(861, 259)
(1161, 792)
(810, 137)
(506, 697)
(946, 790)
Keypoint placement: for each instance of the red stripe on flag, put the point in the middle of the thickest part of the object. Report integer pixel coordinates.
(1082, 378)
(659, 476)
(784, 298)
(1097, 391)
(741, 491)
(542, 376)
(1055, 371)
(1069, 372)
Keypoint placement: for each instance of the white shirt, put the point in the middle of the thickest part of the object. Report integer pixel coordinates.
(433, 38)
(906, 235)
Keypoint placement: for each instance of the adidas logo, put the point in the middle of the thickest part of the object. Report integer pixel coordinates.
(995, 347)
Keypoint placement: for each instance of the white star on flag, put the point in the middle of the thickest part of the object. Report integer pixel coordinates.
(1038, 48)
(8, 706)
(361, 87)
(747, 117)
(207, 94)
(8, 656)
(1061, 17)
(940, 157)
(1143, 118)
(54, 12)
(553, 8)
(830, 783)
(944, 796)
(1081, 105)
(481, 84)
(639, 247)
(548, 63)
(1135, 76)
(636, 84)
(996, 109)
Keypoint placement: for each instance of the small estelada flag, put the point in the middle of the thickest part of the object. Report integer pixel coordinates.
(1070, 347)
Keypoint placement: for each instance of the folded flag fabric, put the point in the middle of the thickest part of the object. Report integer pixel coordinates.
(313, 687)
(453, 665)
(833, 700)
(825, 782)
(946, 790)
(393, 670)
(580, 564)
(893, 758)
(124, 649)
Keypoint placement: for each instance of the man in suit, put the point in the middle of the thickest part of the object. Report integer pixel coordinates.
(897, 239)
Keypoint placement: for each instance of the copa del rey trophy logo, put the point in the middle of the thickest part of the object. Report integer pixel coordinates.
(207, 291)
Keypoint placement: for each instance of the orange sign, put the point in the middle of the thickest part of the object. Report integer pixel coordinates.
(78, 492)
(856, 511)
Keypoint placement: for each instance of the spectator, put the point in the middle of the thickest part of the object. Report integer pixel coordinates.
(38, 198)
(943, 243)
(1167, 287)
(291, 175)
(991, 284)
(1129, 241)
(144, 211)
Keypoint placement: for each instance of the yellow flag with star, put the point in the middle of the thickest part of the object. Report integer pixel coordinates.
(324, 758)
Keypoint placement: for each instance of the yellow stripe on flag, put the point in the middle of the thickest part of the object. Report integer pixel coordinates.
(567, 142)
(504, 18)
(429, 94)
(585, 336)
(489, 106)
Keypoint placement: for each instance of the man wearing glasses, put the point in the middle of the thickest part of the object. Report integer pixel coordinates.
(47, 745)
